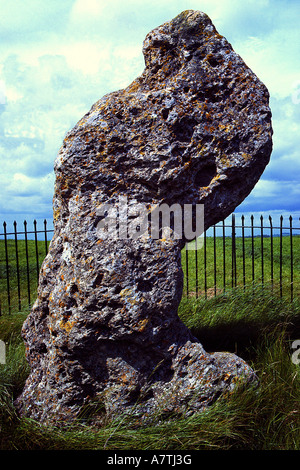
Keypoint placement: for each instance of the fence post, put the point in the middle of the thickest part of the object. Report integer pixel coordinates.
(27, 262)
(243, 248)
(233, 268)
(46, 241)
(205, 262)
(280, 256)
(291, 257)
(262, 249)
(7, 268)
(215, 261)
(196, 266)
(272, 266)
(36, 250)
(224, 260)
(17, 265)
(252, 247)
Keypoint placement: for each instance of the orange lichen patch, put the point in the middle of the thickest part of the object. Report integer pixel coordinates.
(56, 214)
(224, 160)
(227, 377)
(225, 127)
(124, 379)
(215, 178)
(142, 324)
(67, 326)
(246, 156)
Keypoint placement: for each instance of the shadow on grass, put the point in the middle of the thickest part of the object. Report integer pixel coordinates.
(240, 320)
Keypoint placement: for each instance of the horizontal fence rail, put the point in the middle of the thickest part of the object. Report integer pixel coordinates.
(233, 253)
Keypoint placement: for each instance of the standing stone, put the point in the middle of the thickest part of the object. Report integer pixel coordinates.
(194, 128)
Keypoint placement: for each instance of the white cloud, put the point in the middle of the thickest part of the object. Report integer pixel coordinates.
(2, 92)
(88, 10)
(23, 185)
(275, 59)
(265, 188)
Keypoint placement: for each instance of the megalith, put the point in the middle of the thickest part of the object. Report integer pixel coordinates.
(194, 128)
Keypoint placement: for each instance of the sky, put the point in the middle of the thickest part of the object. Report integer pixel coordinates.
(57, 58)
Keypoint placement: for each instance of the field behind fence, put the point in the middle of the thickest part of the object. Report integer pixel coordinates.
(240, 254)
(232, 254)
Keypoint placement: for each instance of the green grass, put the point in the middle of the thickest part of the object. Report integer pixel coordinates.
(258, 325)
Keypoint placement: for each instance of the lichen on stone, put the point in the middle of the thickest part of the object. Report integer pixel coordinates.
(194, 128)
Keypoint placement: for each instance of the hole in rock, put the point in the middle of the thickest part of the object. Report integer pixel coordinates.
(87, 186)
(205, 175)
(184, 129)
(213, 61)
(66, 315)
(165, 113)
(144, 285)
(98, 280)
(117, 289)
(42, 348)
(71, 302)
(112, 303)
(73, 289)
(134, 111)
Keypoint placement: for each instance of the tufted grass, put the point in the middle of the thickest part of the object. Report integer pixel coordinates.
(259, 326)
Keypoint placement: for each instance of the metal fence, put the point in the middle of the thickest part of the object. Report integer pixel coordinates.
(245, 254)
(21, 255)
(232, 254)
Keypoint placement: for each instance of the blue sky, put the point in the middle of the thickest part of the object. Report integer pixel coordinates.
(57, 58)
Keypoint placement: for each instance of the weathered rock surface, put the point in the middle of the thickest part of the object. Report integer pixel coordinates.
(195, 127)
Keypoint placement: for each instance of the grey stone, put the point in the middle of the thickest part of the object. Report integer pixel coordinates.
(194, 128)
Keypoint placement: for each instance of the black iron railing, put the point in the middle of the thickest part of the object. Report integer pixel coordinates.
(21, 256)
(232, 254)
(242, 254)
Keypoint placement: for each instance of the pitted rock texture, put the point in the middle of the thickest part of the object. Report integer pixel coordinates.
(195, 127)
